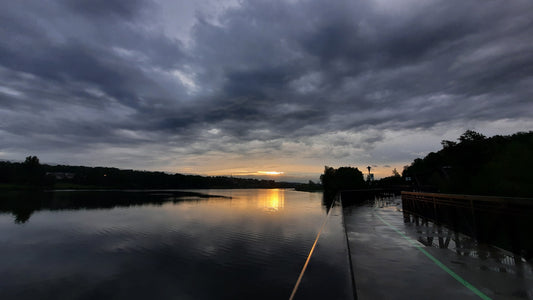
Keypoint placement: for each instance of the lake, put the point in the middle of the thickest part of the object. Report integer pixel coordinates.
(217, 244)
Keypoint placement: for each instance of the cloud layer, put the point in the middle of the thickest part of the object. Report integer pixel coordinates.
(245, 86)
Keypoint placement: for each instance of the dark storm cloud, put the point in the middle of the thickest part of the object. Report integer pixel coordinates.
(373, 68)
(83, 72)
(106, 8)
(56, 61)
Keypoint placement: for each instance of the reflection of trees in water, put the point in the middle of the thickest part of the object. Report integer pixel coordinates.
(327, 198)
(431, 234)
(504, 222)
(22, 215)
(444, 236)
(22, 204)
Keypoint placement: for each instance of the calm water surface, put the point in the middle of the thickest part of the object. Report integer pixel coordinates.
(250, 244)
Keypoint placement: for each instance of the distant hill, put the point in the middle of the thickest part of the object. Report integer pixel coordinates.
(31, 174)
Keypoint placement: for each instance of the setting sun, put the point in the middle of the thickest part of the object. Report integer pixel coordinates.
(269, 172)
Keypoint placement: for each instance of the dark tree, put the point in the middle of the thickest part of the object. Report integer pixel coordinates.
(33, 171)
(342, 178)
(471, 136)
(32, 162)
(447, 144)
(395, 173)
(499, 165)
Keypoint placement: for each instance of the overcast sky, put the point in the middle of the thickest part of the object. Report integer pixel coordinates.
(236, 87)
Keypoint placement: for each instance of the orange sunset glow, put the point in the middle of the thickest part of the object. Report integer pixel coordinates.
(269, 173)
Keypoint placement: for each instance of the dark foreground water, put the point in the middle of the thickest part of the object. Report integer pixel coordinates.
(248, 244)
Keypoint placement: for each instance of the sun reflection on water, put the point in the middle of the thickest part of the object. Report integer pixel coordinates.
(273, 201)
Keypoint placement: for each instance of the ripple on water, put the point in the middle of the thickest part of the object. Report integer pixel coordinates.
(197, 249)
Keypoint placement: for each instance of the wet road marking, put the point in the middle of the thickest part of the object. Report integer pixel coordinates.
(436, 261)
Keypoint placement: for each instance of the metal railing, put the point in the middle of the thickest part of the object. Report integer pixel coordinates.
(504, 205)
(503, 221)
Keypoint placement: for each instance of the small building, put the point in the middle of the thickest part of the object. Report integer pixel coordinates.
(61, 175)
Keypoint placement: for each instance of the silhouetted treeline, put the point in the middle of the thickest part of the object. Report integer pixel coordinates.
(395, 180)
(31, 173)
(311, 186)
(475, 164)
(343, 178)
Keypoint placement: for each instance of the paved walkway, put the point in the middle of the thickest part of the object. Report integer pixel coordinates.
(393, 258)
(328, 275)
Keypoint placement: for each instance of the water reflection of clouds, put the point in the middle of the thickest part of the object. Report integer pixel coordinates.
(133, 250)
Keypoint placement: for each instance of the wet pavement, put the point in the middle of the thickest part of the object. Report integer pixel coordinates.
(328, 275)
(403, 257)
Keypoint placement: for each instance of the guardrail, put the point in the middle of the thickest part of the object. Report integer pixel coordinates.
(503, 221)
(507, 205)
